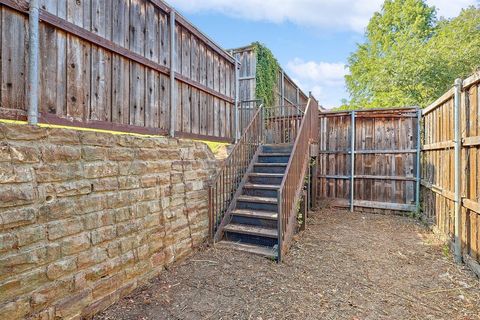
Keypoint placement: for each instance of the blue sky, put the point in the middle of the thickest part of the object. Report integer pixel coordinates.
(311, 39)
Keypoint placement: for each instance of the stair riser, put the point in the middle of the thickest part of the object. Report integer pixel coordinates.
(273, 159)
(250, 239)
(266, 193)
(277, 149)
(266, 223)
(265, 180)
(257, 206)
(269, 169)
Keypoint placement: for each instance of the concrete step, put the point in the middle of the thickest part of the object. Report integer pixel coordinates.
(266, 252)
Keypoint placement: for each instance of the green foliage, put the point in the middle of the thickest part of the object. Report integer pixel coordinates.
(410, 57)
(267, 73)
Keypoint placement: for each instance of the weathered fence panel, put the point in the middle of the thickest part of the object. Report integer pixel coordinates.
(438, 164)
(385, 159)
(106, 64)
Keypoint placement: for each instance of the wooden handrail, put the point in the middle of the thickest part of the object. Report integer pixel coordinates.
(229, 178)
(293, 181)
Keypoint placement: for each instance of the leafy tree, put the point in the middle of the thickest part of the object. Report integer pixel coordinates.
(410, 57)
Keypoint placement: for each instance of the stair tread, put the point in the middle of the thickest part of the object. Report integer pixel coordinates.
(259, 174)
(251, 230)
(270, 164)
(275, 154)
(257, 199)
(250, 248)
(261, 186)
(255, 214)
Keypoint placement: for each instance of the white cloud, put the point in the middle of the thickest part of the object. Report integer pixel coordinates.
(338, 14)
(325, 80)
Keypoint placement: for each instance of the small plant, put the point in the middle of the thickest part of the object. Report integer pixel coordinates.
(446, 250)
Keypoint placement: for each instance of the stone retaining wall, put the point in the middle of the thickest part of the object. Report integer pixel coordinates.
(85, 217)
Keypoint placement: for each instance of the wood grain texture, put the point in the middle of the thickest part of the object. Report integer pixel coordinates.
(385, 161)
(108, 61)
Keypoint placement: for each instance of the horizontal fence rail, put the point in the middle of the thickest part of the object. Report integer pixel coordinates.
(229, 178)
(293, 182)
(109, 67)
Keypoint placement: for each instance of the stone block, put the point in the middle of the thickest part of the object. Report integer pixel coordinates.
(31, 235)
(63, 136)
(72, 188)
(73, 304)
(17, 217)
(92, 153)
(75, 244)
(24, 132)
(58, 172)
(56, 153)
(92, 257)
(8, 242)
(64, 228)
(60, 268)
(16, 195)
(100, 170)
(101, 235)
(17, 309)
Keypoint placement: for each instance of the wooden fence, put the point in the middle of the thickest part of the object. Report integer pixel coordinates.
(106, 64)
(287, 93)
(385, 153)
(438, 166)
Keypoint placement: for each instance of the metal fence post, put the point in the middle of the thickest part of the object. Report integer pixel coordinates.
(458, 150)
(173, 102)
(34, 39)
(352, 170)
(419, 166)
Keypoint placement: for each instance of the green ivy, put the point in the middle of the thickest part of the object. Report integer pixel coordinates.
(267, 73)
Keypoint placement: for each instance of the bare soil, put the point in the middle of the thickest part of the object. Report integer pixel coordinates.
(344, 266)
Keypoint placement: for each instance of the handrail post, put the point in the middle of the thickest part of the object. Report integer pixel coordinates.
(352, 168)
(34, 54)
(458, 150)
(173, 102)
(280, 226)
(419, 166)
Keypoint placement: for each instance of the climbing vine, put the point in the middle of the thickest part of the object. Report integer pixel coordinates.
(267, 72)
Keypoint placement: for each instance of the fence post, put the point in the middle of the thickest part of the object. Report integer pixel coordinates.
(282, 93)
(34, 39)
(419, 166)
(237, 88)
(458, 150)
(352, 170)
(173, 102)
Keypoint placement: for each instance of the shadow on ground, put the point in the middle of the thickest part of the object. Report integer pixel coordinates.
(344, 266)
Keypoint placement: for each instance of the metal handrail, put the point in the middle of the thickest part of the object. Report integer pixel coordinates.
(292, 183)
(228, 179)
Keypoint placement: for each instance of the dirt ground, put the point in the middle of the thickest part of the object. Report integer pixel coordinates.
(344, 266)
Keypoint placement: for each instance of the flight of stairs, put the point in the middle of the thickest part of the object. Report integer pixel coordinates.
(254, 224)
